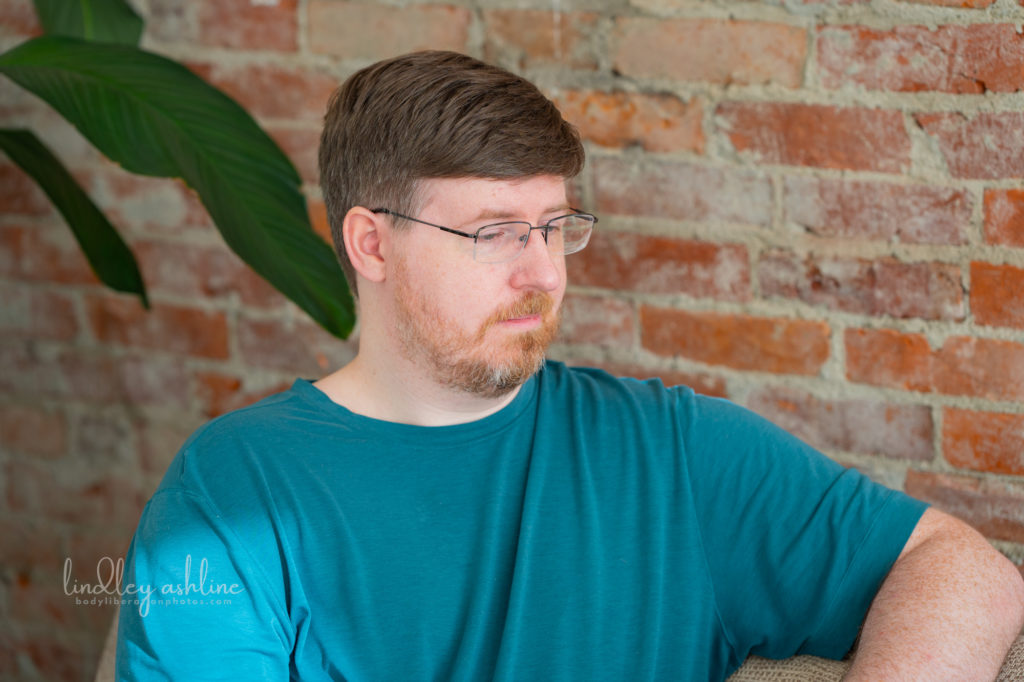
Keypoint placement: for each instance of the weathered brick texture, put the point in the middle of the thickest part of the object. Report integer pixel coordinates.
(271, 90)
(658, 123)
(856, 426)
(690, 50)
(743, 342)
(816, 135)
(1004, 217)
(663, 265)
(984, 441)
(168, 328)
(993, 506)
(248, 25)
(597, 320)
(890, 287)
(682, 191)
(978, 367)
(814, 207)
(527, 38)
(960, 59)
(370, 31)
(997, 295)
(985, 146)
(864, 210)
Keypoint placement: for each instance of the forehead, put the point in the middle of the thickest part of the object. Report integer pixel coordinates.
(473, 198)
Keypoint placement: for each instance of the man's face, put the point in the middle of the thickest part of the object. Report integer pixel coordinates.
(478, 327)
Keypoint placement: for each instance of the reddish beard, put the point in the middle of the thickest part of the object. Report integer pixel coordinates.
(465, 362)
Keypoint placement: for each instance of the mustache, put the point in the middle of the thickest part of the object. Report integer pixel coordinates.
(531, 303)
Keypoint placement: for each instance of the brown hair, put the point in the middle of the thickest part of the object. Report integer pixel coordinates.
(434, 115)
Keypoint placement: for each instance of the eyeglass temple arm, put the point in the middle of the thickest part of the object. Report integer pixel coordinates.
(389, 212)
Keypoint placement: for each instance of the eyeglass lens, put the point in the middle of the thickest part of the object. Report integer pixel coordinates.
(504, 241)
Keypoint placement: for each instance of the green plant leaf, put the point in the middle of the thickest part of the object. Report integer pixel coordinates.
(101, 21)
(109, 256)
(155, 117)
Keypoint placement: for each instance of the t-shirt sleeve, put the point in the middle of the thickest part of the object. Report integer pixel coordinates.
(196, 605)
(797, 546)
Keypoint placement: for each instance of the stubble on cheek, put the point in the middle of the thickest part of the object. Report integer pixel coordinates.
(465, 362)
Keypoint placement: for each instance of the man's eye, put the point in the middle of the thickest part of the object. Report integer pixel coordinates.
(496, 234)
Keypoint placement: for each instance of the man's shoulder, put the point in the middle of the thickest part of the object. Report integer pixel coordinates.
(603, 384)
(242, 438)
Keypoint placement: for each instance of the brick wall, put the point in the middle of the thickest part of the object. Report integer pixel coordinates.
(814, 208)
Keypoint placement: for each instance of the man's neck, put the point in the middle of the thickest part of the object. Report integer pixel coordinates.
(396, 392)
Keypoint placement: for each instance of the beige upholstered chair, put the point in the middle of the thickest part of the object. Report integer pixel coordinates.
(796, 669)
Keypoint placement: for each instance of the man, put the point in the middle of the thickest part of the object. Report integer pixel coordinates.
(449, 505)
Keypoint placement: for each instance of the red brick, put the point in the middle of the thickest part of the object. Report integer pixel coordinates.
(33, 431)
(318, 218)
(818, 135)
(135, 202)
(1004, 217)
(171, 20)
(911, 214)
(525, 38)
(931, 291)
(681, 191)
(40, 602)
(297, 346)
(356, 30)
(31, 546)
(104, 439)
(95, 551)
(32, 313)
(18, 18)
(169, 328)
(220, 393)
(249, 25)
(658, 123)
(983, 368)
(202, 272)
(596, 320)
(663, 265)
(49, 656)
(997, 295)
(977, 58)
(25, 372)
(856, 426)
(43, 254)
(12, 250)
(994, 507)
(267, 90)
(131, 380)
(780, 346)
(884, 357)
(20, 194)
(986, 146)
(960, 4)
(302, 146)
(984, 441)
(62, 493)
(692, 50)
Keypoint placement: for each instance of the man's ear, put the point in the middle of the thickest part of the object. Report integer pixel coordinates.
(366, 235)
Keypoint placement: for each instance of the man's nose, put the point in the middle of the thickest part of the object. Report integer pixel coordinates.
(536, 267)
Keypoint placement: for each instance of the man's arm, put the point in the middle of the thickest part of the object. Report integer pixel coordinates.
(949, 609)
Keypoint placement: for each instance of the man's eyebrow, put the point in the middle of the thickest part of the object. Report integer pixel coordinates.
(501, 214)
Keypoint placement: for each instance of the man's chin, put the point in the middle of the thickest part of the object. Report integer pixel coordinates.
(491, 379)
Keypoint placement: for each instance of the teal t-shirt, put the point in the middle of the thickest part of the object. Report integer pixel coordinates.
(593, 529)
